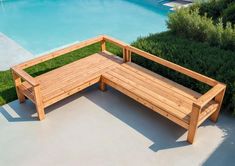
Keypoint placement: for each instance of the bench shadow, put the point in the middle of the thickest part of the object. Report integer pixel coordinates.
(162, 132)
(15, 112)
(24, 112)
(224, 153)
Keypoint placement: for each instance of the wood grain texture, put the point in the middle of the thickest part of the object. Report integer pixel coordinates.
(180, 104)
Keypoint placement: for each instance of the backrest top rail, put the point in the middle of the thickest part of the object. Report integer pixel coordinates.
(142, 53)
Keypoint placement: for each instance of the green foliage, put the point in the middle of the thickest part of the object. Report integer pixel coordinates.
(229, 14)
(188, 23)
(217, 9)
(200, 57)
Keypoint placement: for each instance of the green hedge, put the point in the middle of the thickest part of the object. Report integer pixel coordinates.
(188, 23)
(211, 61)
(217, 9)
(229, 14)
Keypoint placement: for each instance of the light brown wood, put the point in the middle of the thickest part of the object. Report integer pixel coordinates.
(102, 85)
(181, 105)
(103, 46)
(25, 76)
(219, 99)
(17, 81)
(146, 103)
(193, 123)
(212, 93)
(173, 66)
(60, 52)
(39, 103)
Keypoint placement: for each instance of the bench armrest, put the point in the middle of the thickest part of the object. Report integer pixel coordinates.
(25, 76)
(208, 96)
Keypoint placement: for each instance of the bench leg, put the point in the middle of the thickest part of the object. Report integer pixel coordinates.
(17, 81)
(102, 86)
(193, 125)
(41, 112)
(219, 98)
(39, 103)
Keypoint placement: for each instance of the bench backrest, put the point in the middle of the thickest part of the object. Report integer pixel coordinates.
(127, 52)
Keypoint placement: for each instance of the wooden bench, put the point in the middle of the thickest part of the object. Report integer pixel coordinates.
(181, 105)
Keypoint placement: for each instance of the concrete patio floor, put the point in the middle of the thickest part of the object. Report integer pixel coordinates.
(11, 53)
(95, 128)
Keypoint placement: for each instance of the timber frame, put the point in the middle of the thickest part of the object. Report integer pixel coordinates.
(32, 88)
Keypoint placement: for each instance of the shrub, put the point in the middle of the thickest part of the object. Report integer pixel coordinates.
(229, 14)
(188, 23)
(211, 61)
(213, 8)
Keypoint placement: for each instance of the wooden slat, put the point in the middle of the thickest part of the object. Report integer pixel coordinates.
(25, 76)
(157, 87)
(60, 52)
(129, 93)
(212, 93)
(146, 97)
(193, 123)
(114, 41)
(27, 90)
(174, 66)
(186, 92)
(72, 91)
(65, 84)
(18, 82)
(207, 111)
(141, 86)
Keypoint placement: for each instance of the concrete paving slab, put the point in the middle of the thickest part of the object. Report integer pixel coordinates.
(11, 53)
(95, 128)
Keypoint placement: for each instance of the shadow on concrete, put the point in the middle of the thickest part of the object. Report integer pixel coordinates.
(15, 112)
(225, 152)
(163, 133)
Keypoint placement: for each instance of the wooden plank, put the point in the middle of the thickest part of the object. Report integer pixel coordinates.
(103, 46)
(174, 66)
(157, 88)
(39, 103)
(158, 79)
(60, 52)
(146, 97)
(64, 85)
(72, 91)
(219, 98)
(25, 76)
(145, 102)
(27, 90)
(141, 86)
(193, 123)
(17, 81)
(207, 111)
(70, 74)
(114, 41)
(212, 93)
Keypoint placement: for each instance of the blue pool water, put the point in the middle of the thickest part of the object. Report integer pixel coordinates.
(42, 25)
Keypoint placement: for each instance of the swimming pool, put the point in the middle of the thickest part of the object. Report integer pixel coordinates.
(43, 25)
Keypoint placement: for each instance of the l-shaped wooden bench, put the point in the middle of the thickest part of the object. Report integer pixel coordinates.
(181, 105)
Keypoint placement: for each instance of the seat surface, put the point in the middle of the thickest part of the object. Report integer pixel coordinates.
(175, 99)
(167, 95)
(64, 79)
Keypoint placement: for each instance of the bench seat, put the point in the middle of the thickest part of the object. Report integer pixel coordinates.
(180, 104)
(170, 99)
(71, 78)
